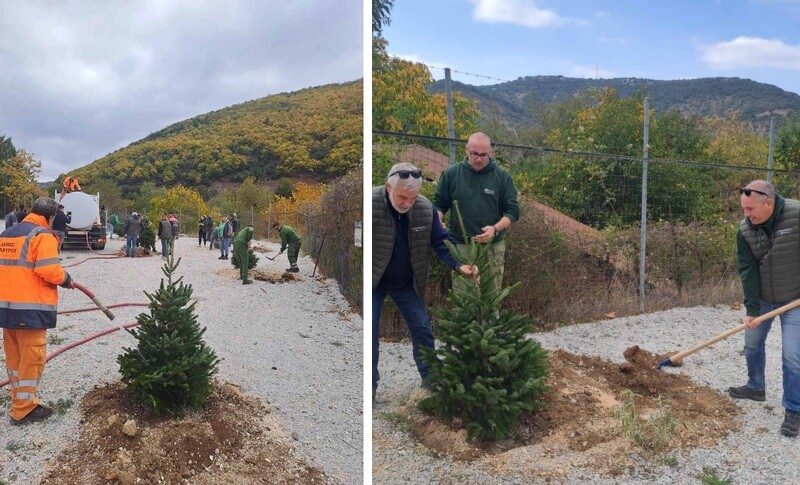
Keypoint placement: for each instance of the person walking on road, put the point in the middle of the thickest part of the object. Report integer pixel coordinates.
(201, 231)
(241, 246)
(166, 237)
(290, 239)
(133, 227)
(404, 229)
(29, 275)
(225, 235)
(208, 227)
(768, 256)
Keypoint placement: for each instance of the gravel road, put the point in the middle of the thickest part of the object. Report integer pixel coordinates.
(297, 345)
(755, 454)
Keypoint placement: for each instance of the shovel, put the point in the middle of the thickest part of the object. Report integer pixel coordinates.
(678, 358)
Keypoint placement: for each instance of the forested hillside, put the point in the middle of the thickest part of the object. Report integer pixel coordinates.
(314, 132)
(513, 101)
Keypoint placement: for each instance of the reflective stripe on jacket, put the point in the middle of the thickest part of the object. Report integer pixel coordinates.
(29, 272)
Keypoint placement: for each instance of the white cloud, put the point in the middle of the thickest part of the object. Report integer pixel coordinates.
(82, 78)
(520, 12)
(752, 52)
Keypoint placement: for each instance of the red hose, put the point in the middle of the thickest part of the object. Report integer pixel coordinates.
(81, 342)
(93, 257)
(92, 309)
(94, 299)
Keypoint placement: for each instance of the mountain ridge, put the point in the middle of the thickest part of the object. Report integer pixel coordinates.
(315, 131)
(718, 96)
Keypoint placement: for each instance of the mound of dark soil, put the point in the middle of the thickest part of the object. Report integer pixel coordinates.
(234, 440)
(580, 427)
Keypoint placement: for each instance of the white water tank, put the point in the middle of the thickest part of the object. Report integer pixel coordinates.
(83, 208)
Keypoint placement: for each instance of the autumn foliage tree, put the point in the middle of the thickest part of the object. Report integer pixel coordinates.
(18, 173)
(180, 200)
(304, 202)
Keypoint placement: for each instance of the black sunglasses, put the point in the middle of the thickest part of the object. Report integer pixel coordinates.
(404, 174)
(747, 192)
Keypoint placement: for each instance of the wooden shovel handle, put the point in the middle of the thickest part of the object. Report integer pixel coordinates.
(785, 308)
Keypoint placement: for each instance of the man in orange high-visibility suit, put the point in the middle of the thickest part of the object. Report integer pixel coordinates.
(29, 273)
(70, 185)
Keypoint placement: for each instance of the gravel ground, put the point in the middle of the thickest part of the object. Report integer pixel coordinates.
(296, 344)
(755, 454)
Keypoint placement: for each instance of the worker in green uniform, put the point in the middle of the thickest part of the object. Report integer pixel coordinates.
(241, 245)
(290, 239)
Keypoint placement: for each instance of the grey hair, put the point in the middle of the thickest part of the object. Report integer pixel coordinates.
(45, 206)
(763, 186)
(409, 183)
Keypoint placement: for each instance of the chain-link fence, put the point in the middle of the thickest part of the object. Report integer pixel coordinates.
(328, 233)
(575, 252)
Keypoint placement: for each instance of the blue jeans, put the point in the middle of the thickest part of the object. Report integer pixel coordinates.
(416, 316)
(225, 246)
(754, 353)
(166, 247)
(131, 241)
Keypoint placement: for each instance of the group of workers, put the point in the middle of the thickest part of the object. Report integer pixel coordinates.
(30, 274)
(406, 226)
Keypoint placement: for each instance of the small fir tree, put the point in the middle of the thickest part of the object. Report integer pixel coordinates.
(250, 253)
(171, 368)
(147, 236)
(485, 371)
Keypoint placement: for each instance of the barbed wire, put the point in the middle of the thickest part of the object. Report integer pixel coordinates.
(579, 153)
(467, 73)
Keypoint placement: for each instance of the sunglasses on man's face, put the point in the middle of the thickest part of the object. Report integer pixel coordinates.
(747, 192)
(404, 174)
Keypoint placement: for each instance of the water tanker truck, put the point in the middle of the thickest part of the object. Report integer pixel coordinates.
(84, 229)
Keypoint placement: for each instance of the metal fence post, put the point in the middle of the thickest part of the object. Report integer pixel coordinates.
(771, 144)
(451, 132)
(643, 241)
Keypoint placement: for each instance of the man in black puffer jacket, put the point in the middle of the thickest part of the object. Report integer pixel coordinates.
(768, 254)
(404, 229)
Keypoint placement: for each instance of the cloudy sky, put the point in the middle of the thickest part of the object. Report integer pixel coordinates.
(676, 39)
(82, 78)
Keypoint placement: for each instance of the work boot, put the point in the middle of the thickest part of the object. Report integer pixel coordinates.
(745, 392)
(791, 424)
(247, 282)
(40, 413)
(294, 269)
(221, 257)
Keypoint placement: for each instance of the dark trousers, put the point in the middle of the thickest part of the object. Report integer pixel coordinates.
(416, 316)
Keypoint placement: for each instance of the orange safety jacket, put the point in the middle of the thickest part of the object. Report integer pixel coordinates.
(29, 272)
(71, 184)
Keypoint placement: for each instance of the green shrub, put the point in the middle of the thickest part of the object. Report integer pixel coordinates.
(486, 372)
(253, 259)
(170, 370)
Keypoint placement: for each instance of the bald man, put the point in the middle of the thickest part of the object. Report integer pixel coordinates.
(487, 199)
(768, 255)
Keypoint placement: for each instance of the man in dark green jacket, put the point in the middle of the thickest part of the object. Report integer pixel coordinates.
(241, 246)
(768, 256)
(290, 239)
(487, 199)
